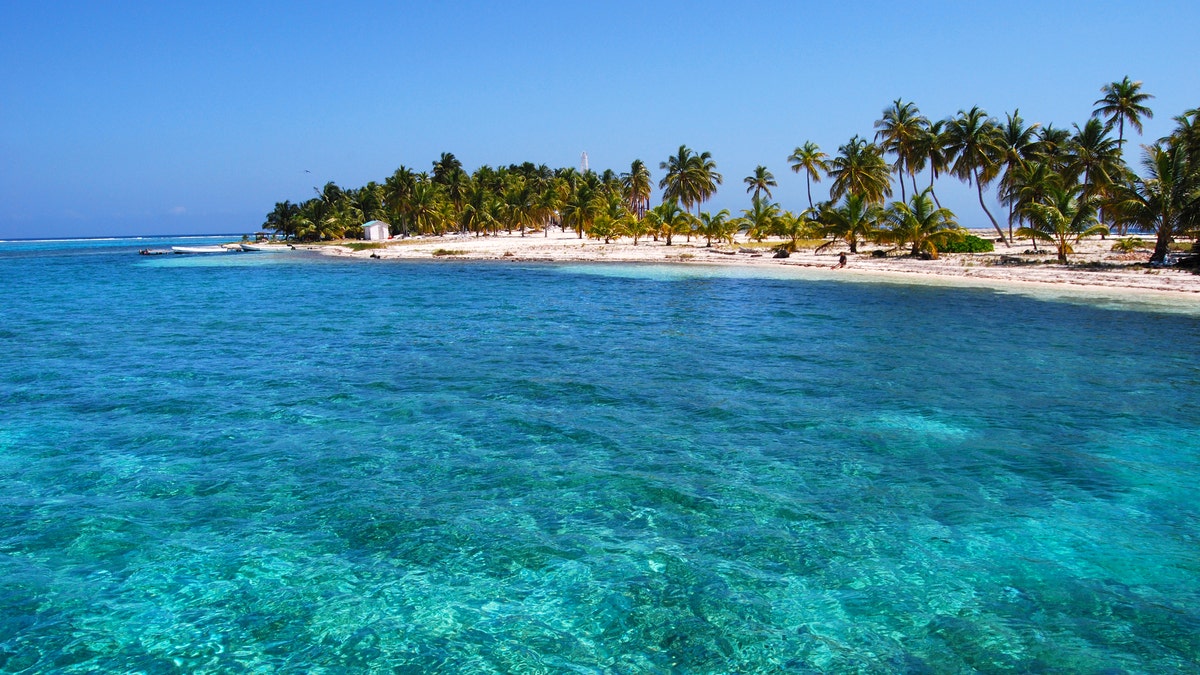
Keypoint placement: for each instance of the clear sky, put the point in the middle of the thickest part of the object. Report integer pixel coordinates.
(161, 117)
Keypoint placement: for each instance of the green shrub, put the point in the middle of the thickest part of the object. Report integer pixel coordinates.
(969, 244)
(1128, 245)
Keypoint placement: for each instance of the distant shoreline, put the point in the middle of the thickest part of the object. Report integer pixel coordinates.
(1093, 266)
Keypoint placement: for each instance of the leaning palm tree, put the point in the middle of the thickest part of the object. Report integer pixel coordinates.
(1123, 102)
(809, 159)
(899, 133)
(1065, 218)
(1167, 200)
(855, 219)
(975, 143)
(860, 169)
(922, 224)
(760, 181)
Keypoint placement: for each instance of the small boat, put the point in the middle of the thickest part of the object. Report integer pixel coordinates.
(266, 248)
(200, 249)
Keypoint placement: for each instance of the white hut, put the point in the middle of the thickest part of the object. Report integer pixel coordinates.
(375, 230)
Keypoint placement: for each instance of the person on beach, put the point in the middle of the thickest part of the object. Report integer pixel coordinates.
(841, 262)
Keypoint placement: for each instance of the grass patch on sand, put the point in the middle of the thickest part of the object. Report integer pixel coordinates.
(438, 253)
(364, 245)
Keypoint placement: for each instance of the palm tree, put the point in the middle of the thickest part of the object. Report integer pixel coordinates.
(1018, 143)
(795, 226)
(860, 169)
(582, 206)
(1030, 183)
(1053, 146)
(397, 191)
(760, 181)
(444, 166)
(1066, 217)
(922, 224)
(762, 218)
(691, 179)
(809, 159)
(637, 185)
(283, 219)
(1094, 159)
(975, 143)
(670, 219)
(426, 207)
(899, 132)
(931, 147)
(612, 219)
(1123, 102)
(677, 183)
(1167, 200)
(855, 219)
(716, 226)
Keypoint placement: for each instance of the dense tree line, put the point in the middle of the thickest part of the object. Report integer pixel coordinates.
(1057, 185)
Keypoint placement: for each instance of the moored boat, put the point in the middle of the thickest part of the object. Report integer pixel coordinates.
(266, 248)
(200, 249)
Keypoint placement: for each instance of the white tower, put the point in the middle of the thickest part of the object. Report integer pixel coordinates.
(583, 166)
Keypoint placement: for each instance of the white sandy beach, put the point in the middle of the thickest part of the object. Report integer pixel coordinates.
(1110, 273)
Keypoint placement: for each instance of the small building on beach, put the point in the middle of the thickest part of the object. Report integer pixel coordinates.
(376, 230)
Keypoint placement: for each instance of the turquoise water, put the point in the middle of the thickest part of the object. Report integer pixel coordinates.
(288, 463)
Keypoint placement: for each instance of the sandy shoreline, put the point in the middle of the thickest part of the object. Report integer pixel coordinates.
(1110, 273)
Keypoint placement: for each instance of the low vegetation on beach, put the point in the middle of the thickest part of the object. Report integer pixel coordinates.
(1059, 186)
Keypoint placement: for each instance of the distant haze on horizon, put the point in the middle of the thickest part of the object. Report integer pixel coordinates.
(141, 118)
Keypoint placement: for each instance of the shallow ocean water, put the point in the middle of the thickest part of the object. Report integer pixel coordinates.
(288, 463)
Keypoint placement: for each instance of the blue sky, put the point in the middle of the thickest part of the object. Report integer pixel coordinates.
(142, 118)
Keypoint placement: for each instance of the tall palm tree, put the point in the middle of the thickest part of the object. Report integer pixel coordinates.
(860, 169)
(975, 143)
(1018, 142)
(637, 186)
(760, 181)
(855, 219)
(1094, 159)
(691, 179)
(922, 224)
(932, 147)
(677, 184)
(809, 159)
(899, 132)
(1066, 217)
(1123, 102)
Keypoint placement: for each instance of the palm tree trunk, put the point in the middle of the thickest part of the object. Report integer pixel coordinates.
(932, 175)
(808, 183)
(992, 218)
(903, 197)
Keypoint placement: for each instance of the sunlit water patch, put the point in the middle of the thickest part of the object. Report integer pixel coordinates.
(309, 464)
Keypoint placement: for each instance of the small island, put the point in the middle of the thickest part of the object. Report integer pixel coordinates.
(1077, 212)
